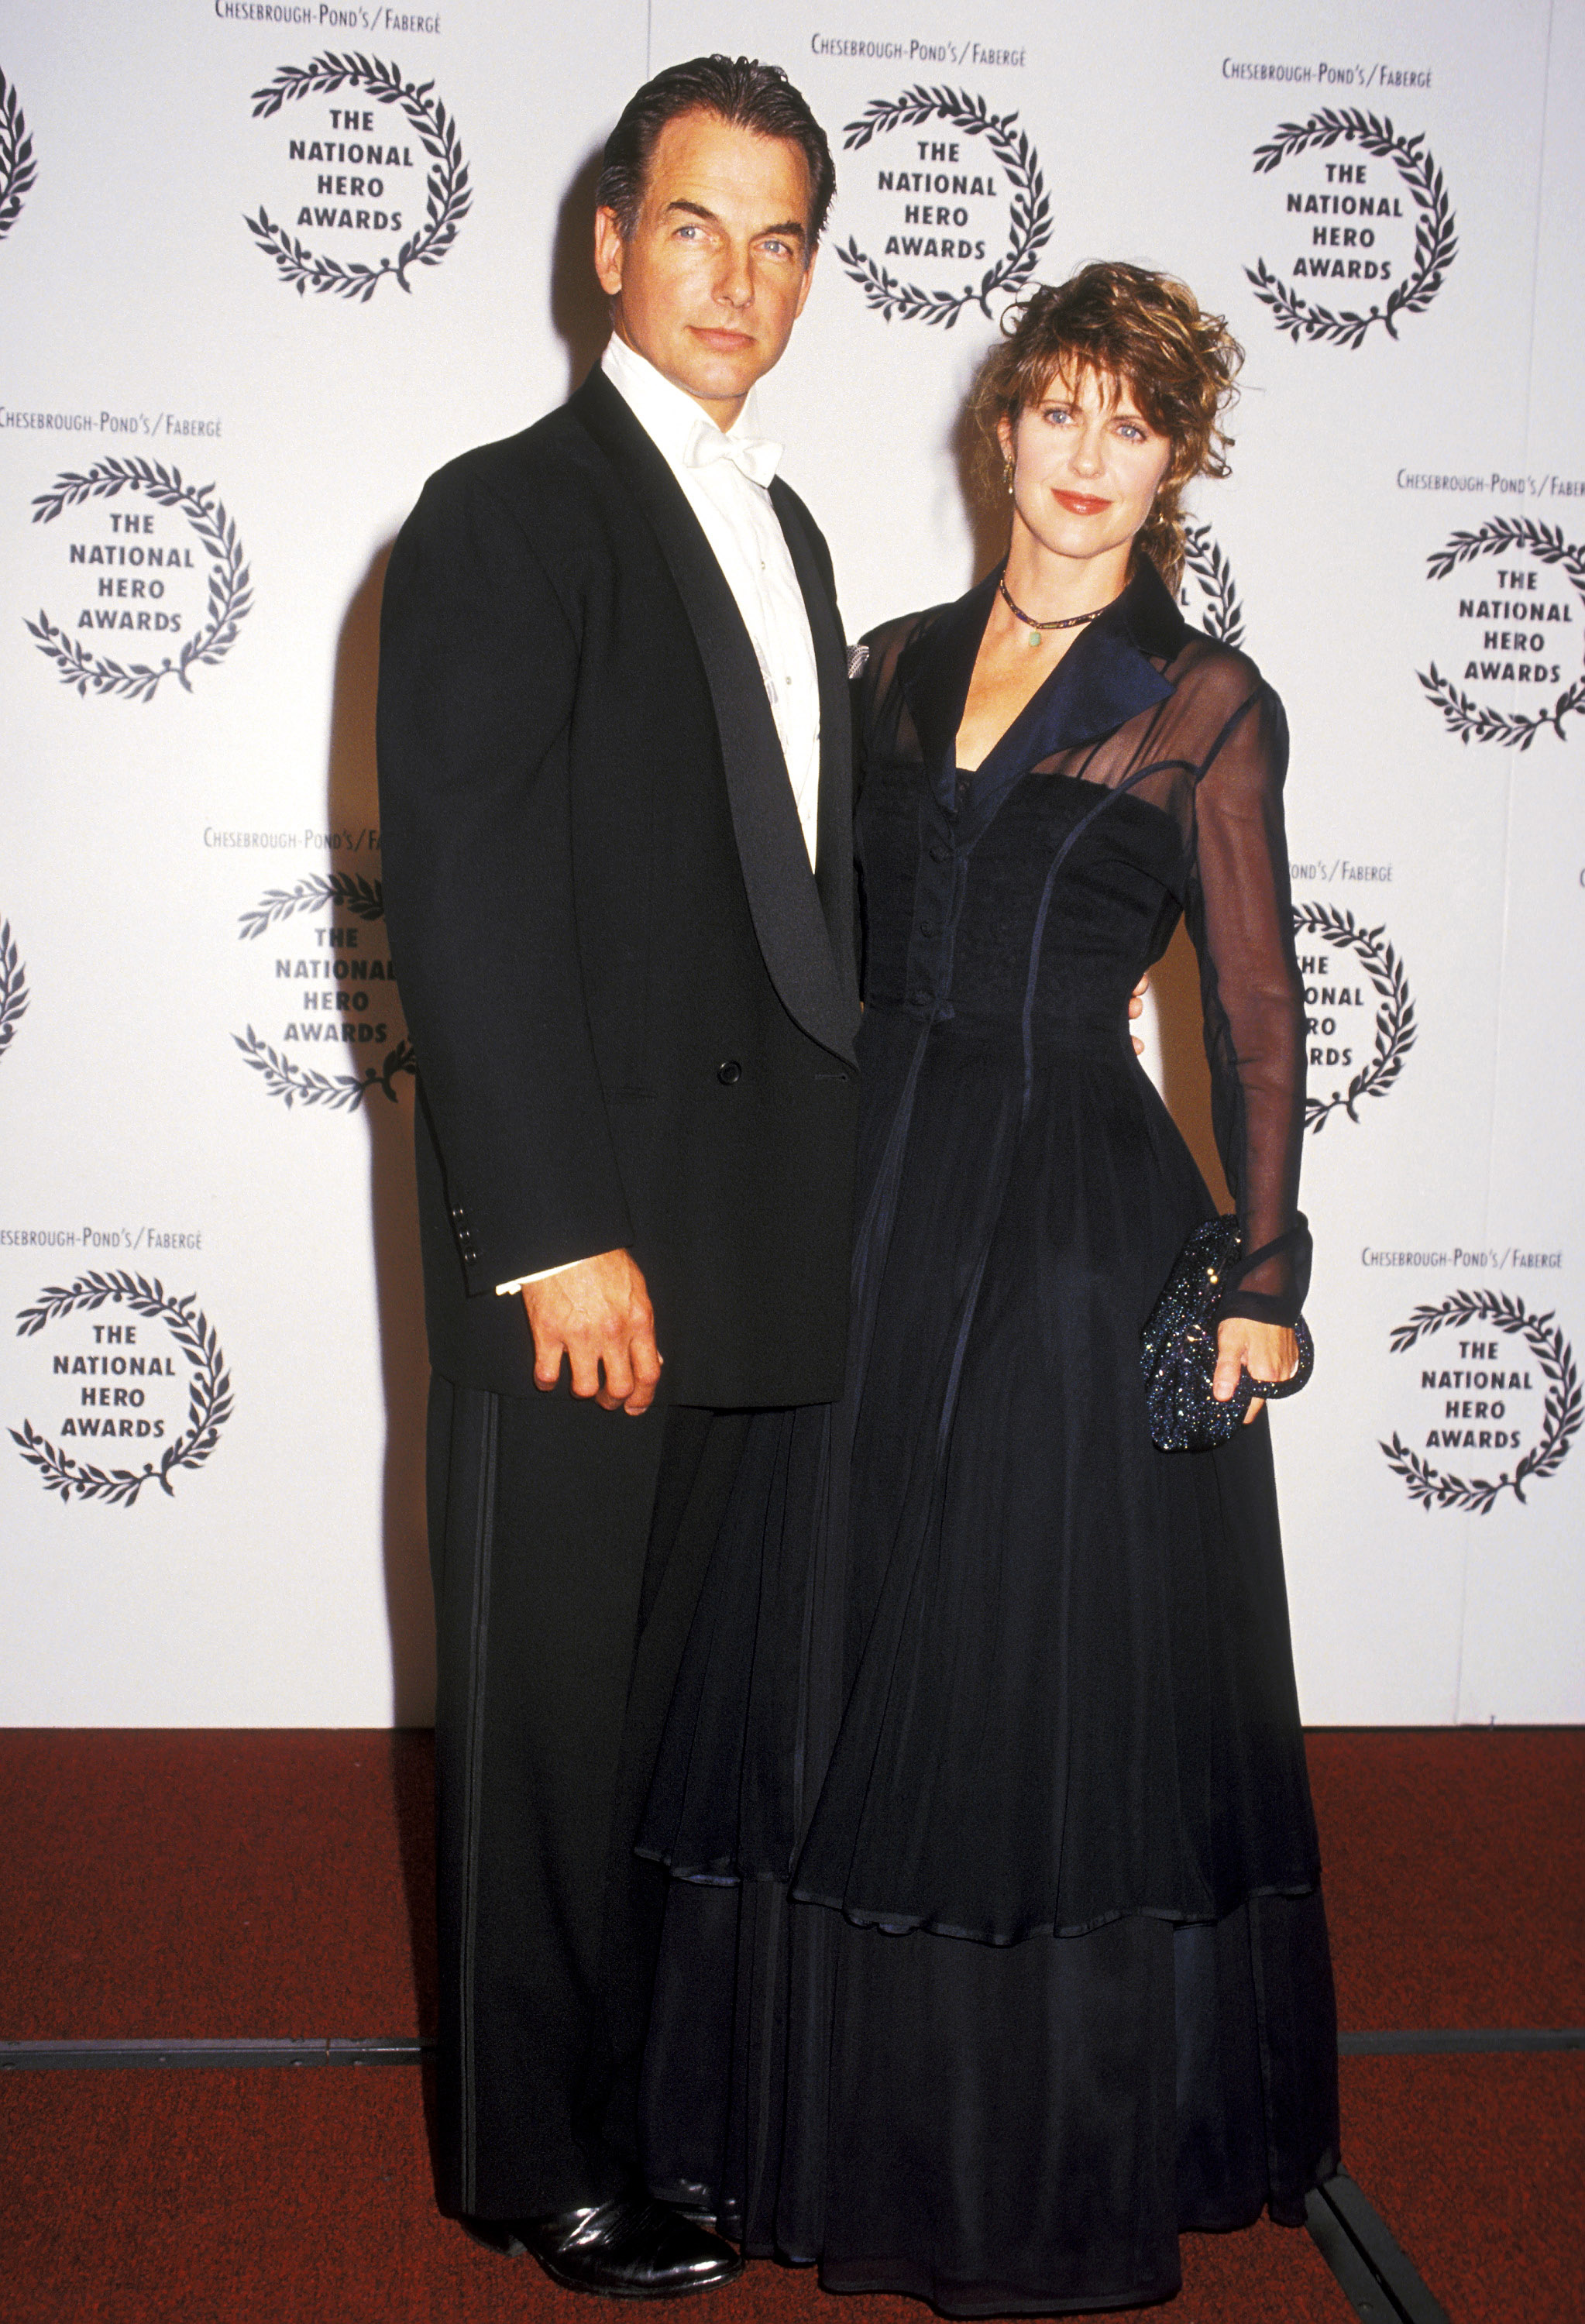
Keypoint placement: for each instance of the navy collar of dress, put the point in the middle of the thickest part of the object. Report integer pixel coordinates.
(1107, 676)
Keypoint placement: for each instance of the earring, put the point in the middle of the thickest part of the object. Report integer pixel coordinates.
(1007, 471)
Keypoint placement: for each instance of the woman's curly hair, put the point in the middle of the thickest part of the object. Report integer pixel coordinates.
(1123, 326)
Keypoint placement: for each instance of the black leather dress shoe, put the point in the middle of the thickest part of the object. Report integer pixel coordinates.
(692, 2199)
(630, 2248)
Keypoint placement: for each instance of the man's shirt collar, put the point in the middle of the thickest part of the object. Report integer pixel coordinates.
(687, 437)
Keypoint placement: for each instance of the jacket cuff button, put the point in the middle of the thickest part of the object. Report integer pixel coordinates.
(728, 1072)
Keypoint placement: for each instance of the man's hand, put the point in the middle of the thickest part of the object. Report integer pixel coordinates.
(597, 1314)
(1137, 1009)
(1266, 1351)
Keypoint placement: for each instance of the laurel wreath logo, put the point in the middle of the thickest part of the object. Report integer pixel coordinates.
(13, 989)
(230, 594)
(449, 197)
(283, 1077)
(1464, 716)
(1202, 557)
(209, 1404)
(1395, 1029)
(366, 899)
(300, 1084)
(18, 168)
(1560, 1414)
(1029, 219)
(1435, 242)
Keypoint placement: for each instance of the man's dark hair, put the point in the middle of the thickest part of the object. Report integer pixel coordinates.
(739, 91)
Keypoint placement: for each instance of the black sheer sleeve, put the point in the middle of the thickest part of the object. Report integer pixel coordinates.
(1239, 913)
(880, 712)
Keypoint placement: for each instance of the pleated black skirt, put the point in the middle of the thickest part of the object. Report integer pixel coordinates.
(995, 1953)
(1019, 2129)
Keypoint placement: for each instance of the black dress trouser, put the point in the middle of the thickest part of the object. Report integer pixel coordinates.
(568, 1546)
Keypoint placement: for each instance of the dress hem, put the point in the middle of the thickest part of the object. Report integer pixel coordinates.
(839, 2278)
(902, 1924)
(863, 2277)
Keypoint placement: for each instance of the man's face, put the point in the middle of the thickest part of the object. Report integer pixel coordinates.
(717, 269)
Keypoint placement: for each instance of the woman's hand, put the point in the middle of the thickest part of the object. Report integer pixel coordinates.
(1137, 1009)
(1266, 1351)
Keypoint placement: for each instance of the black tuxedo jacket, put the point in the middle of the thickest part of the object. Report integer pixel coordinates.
(633, 1003)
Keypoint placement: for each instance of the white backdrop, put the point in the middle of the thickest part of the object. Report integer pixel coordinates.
(211, 423)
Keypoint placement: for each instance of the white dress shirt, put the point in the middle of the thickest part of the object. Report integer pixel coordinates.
(726, 476)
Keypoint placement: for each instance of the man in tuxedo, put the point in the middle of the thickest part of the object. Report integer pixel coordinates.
(615, 794)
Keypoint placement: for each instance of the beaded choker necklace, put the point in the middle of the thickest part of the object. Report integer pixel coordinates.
(1039, 629)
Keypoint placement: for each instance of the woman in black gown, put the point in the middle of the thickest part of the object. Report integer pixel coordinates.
(994, 1952)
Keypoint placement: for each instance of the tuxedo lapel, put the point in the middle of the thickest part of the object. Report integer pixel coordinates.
(834, 854)
(788, 911)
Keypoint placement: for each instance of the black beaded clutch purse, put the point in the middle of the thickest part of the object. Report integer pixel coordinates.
(1177, 1349)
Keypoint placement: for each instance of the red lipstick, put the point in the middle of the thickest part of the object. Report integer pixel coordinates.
(1082, 503)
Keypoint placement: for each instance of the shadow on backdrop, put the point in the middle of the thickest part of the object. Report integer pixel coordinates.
(387, 1114)
(985, 503)
(1186, 1077)
(577, 304)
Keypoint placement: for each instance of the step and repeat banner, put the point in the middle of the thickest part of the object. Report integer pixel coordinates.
(265, 263)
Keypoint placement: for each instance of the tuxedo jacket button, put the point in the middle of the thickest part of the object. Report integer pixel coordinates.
(729, 1073)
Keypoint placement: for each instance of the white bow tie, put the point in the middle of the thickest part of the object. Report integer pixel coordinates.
(754, 456)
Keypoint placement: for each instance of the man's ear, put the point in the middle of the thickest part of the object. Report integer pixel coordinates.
(609, 250)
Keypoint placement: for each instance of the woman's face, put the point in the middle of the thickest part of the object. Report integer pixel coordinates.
(1086, 464)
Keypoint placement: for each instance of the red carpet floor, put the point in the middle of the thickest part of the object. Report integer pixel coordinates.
(281, 2197)
(1479, 2166)
(198, 1884)
(1455, 1863)
(206, 1885)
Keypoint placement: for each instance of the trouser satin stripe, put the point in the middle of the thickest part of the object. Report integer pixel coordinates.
(473, 1783)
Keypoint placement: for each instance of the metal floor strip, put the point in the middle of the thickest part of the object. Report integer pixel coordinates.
(1377, 2277)
(1411, 2043)
(401, 2049)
